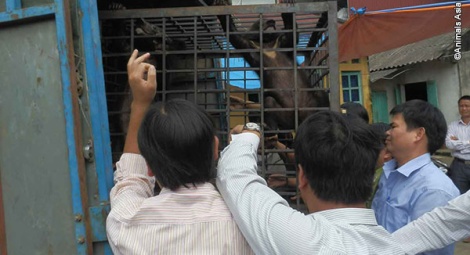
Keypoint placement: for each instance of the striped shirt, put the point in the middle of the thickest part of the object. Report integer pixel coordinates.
(185, 221)
(272, 227)
(461, 147)
(438, 228)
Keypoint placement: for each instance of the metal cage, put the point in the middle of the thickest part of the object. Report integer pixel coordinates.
(193, 51)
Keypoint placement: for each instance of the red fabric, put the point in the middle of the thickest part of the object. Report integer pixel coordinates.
(365, 35)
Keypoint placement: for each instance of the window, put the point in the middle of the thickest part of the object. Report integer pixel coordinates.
(352, 88)
(244, 78)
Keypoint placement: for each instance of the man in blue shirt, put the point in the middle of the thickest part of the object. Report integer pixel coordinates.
(411, 184)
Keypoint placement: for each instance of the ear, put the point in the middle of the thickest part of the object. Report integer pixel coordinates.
(216, 147)
(149, 172)
(254, 45)
(420, 133)
(278, 42)
(388, 156)
(303, 181)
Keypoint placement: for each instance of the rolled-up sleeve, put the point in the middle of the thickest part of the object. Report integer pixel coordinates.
(132, 186)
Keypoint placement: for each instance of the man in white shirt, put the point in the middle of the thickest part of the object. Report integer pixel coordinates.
(458, 141)
(175, 143)
(336, 161)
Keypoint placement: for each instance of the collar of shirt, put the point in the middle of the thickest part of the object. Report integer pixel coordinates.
(201, 187)
(407, 168)
(353, 216)
(461, 122)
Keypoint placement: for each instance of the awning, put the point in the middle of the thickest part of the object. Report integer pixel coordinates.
(418, 52)
(375, 76)
(370, 33)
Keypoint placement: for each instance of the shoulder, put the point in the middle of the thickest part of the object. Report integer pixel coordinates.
(433, 179)
(456, 123)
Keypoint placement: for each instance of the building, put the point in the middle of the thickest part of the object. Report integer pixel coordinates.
(426, 70)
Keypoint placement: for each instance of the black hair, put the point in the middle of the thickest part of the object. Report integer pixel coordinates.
(354, 109)
(176, 138)
(380, 128)
(418, 113)
(465, 97)
(338, 156)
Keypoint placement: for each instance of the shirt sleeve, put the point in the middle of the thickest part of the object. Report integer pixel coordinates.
(438, 228)
(458, 145)
(264, 217)
(131, 181)
(132, 186)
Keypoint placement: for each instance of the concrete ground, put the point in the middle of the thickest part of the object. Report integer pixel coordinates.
(461, 248)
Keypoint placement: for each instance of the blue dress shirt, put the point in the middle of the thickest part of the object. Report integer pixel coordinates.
(408, 192)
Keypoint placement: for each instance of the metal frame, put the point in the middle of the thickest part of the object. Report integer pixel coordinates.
(200, 29)
(60, 11)
(94, 80)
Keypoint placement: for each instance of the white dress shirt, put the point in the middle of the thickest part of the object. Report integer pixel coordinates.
(438, 228)
(461, 147)
(272, 227)
(185, 221)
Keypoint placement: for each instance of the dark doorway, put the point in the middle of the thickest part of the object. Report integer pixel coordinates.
(416, 91)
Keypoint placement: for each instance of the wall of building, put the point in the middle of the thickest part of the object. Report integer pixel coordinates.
(447, 80)
(445, 75)
(389, 87)
(464, 73)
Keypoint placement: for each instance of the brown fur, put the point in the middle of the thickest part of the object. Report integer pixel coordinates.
(283, 80)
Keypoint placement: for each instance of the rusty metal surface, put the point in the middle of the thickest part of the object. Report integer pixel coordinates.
(333, 63)
(98, 216)
(33, 151)
(206, 28)
(316, 8)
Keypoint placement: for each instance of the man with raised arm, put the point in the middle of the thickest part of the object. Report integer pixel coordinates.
(174, 144)
(336, 161)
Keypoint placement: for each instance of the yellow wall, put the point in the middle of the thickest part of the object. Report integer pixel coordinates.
(362, 67)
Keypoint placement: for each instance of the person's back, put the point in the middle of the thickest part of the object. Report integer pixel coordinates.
(336, 160)
(178, 150)
(411, 184)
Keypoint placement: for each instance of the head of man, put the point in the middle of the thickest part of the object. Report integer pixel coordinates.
(336, 158)
(381, 129)
(464, 107)
(177, 140)
(417, 128)
(353, 109)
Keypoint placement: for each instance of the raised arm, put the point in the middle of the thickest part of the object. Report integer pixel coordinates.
(143, 83)
(265, 218)
(132, 184)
